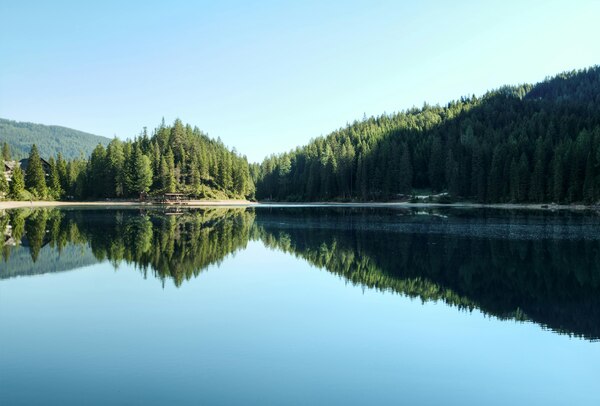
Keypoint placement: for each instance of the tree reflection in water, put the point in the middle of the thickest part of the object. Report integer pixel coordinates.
(535, 266)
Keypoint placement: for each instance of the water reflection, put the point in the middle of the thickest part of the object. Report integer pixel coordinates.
(173, 246)
(534, 266)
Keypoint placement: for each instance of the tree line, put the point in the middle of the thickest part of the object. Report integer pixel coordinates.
(176, 158)
(528, 143)
(516, 144)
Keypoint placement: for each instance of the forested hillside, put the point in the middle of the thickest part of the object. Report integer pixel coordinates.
(519, 144)
(50, 139)
(528, 143)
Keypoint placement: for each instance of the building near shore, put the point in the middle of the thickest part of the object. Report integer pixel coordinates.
(9, 167)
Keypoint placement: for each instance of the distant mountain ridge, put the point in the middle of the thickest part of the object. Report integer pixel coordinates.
(50, 139)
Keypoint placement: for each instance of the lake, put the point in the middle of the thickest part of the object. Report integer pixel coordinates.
(299, 305)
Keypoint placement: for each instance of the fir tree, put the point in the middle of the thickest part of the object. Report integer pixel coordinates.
(17, 184)
(3, 181)
(35, 177)
(139, 177)
(54, 180)
(6, 152)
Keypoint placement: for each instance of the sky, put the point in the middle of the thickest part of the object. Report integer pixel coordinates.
(268, 76)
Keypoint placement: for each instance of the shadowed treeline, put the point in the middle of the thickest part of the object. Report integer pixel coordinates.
(527, 143)
(536, 266)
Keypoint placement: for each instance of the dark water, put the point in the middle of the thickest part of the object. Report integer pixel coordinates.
(299, 306)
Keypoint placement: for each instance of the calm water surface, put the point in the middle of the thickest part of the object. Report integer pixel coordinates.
(299, 306)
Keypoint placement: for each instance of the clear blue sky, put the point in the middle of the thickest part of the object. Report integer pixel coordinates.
(266, 77)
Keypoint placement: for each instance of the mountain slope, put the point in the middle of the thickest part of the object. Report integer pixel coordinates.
(50, 139)
(528, 143)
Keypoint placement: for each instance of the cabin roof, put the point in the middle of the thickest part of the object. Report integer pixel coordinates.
(10, 165)
(24, 163)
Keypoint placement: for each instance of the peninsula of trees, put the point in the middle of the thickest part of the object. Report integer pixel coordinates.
(175, 158)
(517, 144)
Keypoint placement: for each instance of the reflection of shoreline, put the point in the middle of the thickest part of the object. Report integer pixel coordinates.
(71, 257)
(121, 204)
(113, 204)
(537, 266)
(175, 247)
(526, 280)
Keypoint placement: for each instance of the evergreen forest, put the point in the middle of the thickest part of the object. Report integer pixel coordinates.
(517, 144)
(527, 143)
(176, 158)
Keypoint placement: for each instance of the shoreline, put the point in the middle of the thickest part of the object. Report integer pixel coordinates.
(5, 205)
(463, 205)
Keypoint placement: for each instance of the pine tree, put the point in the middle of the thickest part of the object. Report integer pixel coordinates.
(17, 184)
(588, 183)
(538, 177)
(176, 140)
(558, 177)
(436, 165)
(477, 173)
(6, 152)
(35, 177)
(140, 172)
(3, 182)
(452, 175)
(115, 157)
(54, 180)
(495, 177)
(406, 171)
(167, 182)
(61, 166)
(523, 178)
(514, 181)
(168, 172)
(99, 184)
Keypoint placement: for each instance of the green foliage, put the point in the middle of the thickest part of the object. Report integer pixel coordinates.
(35, 177)
(6, 151)
(174, 159)
(139, 174)
(3, 181)
(115, 159)
(516, 144)
(51, 140)
(529, 143)
(17, 184)
(54, 183)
